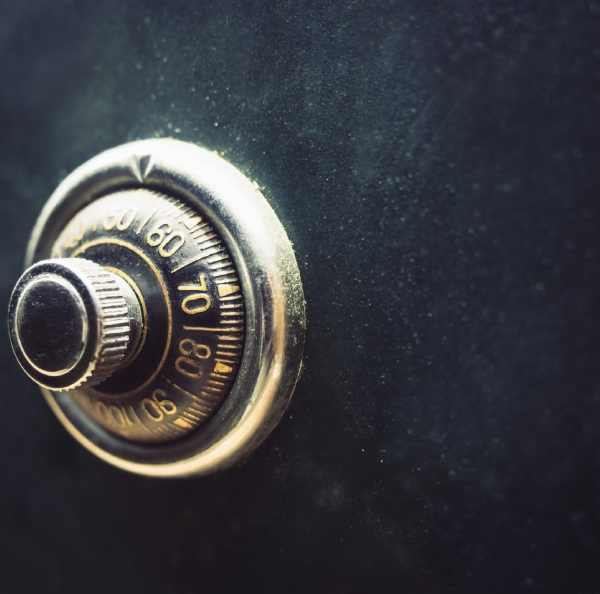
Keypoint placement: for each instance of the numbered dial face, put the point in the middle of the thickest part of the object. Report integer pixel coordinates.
(192, 305)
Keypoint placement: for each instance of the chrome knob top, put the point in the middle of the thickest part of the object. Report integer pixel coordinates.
(73, 322)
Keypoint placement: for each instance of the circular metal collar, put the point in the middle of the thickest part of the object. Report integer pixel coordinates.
(275, 310)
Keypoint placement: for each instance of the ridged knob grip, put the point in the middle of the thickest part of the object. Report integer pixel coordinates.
(73, 322)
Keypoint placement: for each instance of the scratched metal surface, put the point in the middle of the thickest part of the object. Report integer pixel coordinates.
(436, 165)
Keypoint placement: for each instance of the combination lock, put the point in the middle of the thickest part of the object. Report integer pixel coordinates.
(161, 311)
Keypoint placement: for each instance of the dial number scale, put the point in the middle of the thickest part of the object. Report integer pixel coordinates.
(194, 308)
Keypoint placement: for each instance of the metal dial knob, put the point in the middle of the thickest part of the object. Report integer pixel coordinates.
(73, 322)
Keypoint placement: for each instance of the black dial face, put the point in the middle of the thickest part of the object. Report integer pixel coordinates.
(193, 310)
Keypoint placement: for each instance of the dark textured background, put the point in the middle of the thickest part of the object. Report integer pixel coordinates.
(437, 167)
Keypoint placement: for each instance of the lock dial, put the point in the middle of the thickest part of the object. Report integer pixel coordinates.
(190, 292)
(162, 312)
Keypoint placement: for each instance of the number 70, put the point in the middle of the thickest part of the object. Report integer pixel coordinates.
(199, 300)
